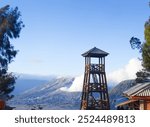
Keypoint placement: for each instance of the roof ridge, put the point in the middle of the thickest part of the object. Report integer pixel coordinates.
(137, 88)
(141, 90)
(95, 52)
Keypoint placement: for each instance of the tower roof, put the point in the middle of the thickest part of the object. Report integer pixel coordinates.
(95, 52)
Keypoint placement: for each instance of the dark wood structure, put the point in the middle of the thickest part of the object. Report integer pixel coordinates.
(95, 93)
(2, 104)
(138, 97)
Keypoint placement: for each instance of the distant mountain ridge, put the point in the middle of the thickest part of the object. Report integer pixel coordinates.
(28, 81)
(49, 94)
(22, 85)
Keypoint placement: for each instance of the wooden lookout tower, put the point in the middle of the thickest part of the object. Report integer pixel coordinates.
(95, 93)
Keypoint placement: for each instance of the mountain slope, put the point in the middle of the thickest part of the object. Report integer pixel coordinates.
(22, 85)
(48, 96)
(27, 81)
(116, 93)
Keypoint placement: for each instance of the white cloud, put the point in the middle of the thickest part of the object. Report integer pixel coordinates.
(127, 72)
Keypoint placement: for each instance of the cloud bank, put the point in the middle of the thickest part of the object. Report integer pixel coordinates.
(127, 72)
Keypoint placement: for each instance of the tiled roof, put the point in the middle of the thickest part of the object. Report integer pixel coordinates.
(144, 93)
(141, 89)
(95, 52)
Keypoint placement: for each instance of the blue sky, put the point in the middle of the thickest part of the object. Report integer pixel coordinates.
(57, 32)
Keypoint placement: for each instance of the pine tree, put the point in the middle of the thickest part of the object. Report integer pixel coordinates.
(143, 48)
(147, 32)
(10, 27)
(146, 47)
(146, 57)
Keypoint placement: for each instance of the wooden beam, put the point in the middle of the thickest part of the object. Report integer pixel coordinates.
(140, 97)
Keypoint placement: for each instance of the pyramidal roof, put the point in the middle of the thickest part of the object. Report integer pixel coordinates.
(95, 52)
